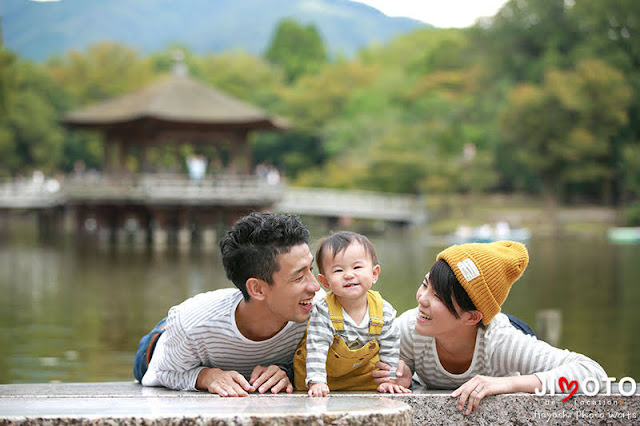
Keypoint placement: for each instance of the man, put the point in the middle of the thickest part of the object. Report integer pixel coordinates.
(234, 341)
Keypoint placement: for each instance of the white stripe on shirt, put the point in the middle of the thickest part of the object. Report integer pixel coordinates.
(202, 332)
(501, 350)
(320, 336)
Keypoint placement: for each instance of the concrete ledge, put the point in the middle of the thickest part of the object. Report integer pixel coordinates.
(128, 402)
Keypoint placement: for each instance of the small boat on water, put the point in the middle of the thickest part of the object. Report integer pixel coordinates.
(624, 234)
(487, 233)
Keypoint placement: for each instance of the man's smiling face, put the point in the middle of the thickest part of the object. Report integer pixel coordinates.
(294, 285)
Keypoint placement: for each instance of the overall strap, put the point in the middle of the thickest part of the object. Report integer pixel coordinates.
(335, 311)
(375, 312)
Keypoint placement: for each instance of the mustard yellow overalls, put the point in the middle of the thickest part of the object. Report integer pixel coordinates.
(347, 369)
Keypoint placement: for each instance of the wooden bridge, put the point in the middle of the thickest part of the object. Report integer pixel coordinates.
(397, 208)
(148, 189)
(226, 190)
(162, 208)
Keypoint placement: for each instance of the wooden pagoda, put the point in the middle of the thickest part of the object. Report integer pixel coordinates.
(176, 109)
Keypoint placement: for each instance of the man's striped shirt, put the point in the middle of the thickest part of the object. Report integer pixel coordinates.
(202, 332)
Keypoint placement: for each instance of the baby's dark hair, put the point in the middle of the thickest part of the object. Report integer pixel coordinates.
(339, 241)
(251, 247)
(448, 288)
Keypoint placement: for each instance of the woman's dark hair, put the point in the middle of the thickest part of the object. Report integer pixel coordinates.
(251, 247)
(448, 288)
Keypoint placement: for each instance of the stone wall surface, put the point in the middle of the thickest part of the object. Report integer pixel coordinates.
(438, 408)
(130, 403)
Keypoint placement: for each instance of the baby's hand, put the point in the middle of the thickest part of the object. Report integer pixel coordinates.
(318, 389)
(392, 387)
(403, 374)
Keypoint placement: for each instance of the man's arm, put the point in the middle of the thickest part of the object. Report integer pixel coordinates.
(175, 363)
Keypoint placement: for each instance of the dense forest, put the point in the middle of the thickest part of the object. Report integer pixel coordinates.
(543, 98)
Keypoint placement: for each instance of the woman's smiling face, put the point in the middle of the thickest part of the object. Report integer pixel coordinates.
(434, 318)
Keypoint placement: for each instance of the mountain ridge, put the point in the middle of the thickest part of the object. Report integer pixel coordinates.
(38, 30)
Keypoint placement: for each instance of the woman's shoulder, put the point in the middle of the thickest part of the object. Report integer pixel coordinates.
(500, 335)
(499, 326)
(499, 321)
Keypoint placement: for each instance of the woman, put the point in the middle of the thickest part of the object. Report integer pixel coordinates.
(457, 338)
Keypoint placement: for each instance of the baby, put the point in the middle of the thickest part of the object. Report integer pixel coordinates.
(352, 327)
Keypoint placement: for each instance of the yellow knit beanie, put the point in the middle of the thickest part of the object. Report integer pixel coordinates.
(486, 271)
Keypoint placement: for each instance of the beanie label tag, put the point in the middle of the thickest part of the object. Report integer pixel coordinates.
(468, 269)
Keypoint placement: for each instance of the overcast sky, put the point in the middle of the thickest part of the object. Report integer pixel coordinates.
(441, 13)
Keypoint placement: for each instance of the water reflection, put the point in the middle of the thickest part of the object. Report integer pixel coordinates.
(74, 313)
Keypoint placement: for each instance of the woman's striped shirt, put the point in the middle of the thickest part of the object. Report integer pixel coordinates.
(500, 350)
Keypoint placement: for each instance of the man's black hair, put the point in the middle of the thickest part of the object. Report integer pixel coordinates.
(251, 247)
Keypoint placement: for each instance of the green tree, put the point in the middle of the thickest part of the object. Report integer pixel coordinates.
(30, 136)
(314, 100)
(527, 37)
(404, 131)
(561, 130)
(610, 31)
(7, 77)
(298, 49)
(293, 151)
(105, 70)
(244, 76)
(9, 160)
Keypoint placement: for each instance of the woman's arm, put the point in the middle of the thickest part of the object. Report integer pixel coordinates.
(480, 386)
(512, 352)
(521, 363)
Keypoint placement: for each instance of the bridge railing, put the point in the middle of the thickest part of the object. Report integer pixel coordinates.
(407, 208)
(227, 189)
(30, 193)
(217, 190)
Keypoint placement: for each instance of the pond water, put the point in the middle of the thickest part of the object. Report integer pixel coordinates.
(74, 312)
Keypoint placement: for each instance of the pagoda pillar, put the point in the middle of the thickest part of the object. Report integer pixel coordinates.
(184, 230)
